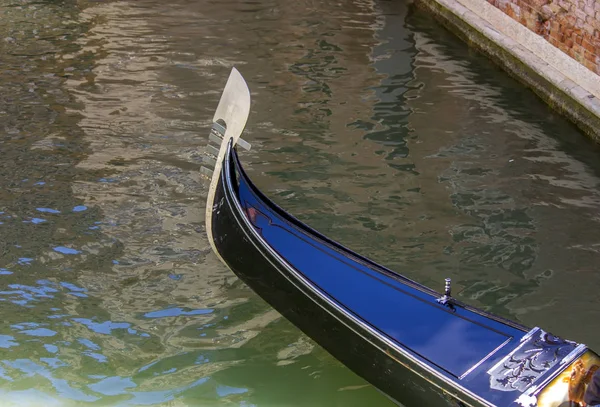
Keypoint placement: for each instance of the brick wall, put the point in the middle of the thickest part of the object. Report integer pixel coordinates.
(573, 26)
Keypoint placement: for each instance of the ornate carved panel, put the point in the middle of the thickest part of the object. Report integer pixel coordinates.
(534, 357)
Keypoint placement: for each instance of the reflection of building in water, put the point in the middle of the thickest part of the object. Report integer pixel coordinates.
(518, 205)
(327, 165)
(167, 313)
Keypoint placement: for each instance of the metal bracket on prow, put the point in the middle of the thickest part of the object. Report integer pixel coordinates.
(228, 124)
(213, 146)
(447, 299)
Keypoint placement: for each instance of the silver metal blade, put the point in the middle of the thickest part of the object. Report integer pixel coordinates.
(228, 124)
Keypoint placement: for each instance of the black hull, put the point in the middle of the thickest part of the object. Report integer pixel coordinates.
(415, 346)
(365, 355)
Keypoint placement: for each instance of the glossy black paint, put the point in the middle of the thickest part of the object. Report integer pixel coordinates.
(388, 329)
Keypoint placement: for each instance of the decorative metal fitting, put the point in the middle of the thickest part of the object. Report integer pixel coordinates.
(447, 299)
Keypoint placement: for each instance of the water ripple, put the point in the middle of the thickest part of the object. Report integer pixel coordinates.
(369, 122)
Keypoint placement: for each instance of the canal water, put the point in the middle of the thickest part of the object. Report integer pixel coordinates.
(369, 121)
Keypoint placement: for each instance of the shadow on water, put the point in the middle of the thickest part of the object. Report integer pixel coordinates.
(369, 122)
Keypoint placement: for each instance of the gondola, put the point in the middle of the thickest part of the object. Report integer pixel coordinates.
(419, 347)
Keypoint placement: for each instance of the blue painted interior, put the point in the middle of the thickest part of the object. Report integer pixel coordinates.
(454, 342)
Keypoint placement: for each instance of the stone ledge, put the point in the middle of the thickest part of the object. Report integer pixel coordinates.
(562, 82)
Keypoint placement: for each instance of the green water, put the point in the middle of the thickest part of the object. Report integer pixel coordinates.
(369, 121)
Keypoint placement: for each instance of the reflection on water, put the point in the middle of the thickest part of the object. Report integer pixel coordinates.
(369, 122)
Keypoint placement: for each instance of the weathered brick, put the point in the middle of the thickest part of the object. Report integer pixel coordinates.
(557, 40)
(539, 28)
(590, 19)
(589, 28)
(538, 3)
(532, 23)
(589, 10)
(546, 12)
(588, 46)
(591, 65)
(561, 19)
(569, 43)
(579, 13)
(572, 53)
(568, 32)
(564, 4)
(573, 26)
(517, 11)
(545, 29)
(535, 16)
(590, 56)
